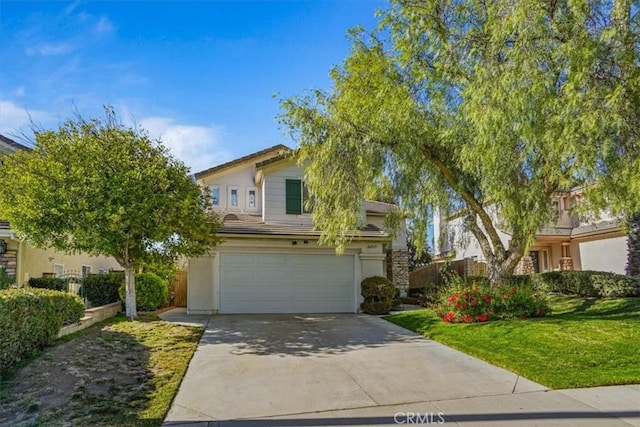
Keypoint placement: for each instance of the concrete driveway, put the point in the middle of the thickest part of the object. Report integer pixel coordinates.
(287, 370)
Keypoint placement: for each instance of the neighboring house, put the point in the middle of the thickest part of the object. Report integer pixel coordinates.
(23, 261)
(270, 260)
(574, 243)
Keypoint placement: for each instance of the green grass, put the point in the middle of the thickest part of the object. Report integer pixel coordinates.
(114, 373)
(586, 342)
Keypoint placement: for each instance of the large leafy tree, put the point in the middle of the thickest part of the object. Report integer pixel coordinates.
(100, 187)
(483, 107)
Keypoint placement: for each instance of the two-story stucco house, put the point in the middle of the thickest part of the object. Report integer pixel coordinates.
(573, 243)
(24, 261)
(270, 260)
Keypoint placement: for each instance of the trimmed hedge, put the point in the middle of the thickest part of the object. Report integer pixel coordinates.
(102, 289)
(31, 318)
(6, 281)
(378, 293)
(53, 283)
(152, 292)
(588, 283)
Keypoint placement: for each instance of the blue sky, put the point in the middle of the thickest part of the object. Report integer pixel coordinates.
(199, 75)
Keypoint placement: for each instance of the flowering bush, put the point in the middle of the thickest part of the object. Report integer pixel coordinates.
(481, 301)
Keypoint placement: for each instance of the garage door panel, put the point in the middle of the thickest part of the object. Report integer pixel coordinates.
(286, 283)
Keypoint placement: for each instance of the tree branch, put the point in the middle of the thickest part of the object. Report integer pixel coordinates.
(467, 196)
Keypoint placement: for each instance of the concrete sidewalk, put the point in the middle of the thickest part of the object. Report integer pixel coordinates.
(353, 370)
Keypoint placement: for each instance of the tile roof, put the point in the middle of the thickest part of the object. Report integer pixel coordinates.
(554, 231)
(253, 224)
(276, 148)
(374, 206)
(601, 227)
(13, 144)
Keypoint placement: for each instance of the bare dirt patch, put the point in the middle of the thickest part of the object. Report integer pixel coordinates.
(116, 373)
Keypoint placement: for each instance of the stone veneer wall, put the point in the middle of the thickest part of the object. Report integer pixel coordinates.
(398, 268)
(525, 266)
(566, 263)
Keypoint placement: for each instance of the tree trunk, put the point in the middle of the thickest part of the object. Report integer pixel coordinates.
(130, 291)
(633, 246)
(501, 267)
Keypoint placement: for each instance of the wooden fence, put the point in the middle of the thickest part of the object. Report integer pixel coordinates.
(179, 289)
(433, 274)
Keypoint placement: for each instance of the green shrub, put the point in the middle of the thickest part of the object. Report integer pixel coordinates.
(53, 283)
(378, 293)
(481, 301)
(151, 292)
(588, 283)
(102, 289)
(6, 281)
(31, 318)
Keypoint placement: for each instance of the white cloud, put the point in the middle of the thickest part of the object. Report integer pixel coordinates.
(50, 49)
(16, 120)
(104, 26)
(199, 147)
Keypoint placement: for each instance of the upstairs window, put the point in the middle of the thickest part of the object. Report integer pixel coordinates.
(293, 196)
(252, 198)
(297, 196)
(234, 197)
(215, 196)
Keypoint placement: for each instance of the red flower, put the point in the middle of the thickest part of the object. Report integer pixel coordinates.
(474, 303)
(454, 297)
(466, 319)
(495, 284)
(464, 305)
(486, 298)
(540, 313)
(482, 317)
(450, 317)
(467, 296)
(514, 290)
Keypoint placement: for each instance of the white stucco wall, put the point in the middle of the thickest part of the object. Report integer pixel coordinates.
(275, 192)
(240, 177)
(453, 235)
(202, 281)
(604, 255)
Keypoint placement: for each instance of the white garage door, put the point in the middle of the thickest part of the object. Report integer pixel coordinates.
(286, 283)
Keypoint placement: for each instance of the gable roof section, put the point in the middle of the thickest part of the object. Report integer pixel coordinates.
(278, 150)
(373, 206)
(8, 145)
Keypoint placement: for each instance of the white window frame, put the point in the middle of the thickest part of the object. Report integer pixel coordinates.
(256, 206)
(88, 271)
(102, 270)
(60, 267)
(230, 206)
(213, 188)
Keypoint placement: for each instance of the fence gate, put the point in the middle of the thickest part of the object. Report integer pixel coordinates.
(179, 290)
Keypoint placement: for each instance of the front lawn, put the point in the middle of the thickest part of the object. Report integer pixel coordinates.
(586, 342)
(114, 373)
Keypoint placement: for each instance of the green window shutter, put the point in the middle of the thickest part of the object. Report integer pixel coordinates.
(293, 196)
